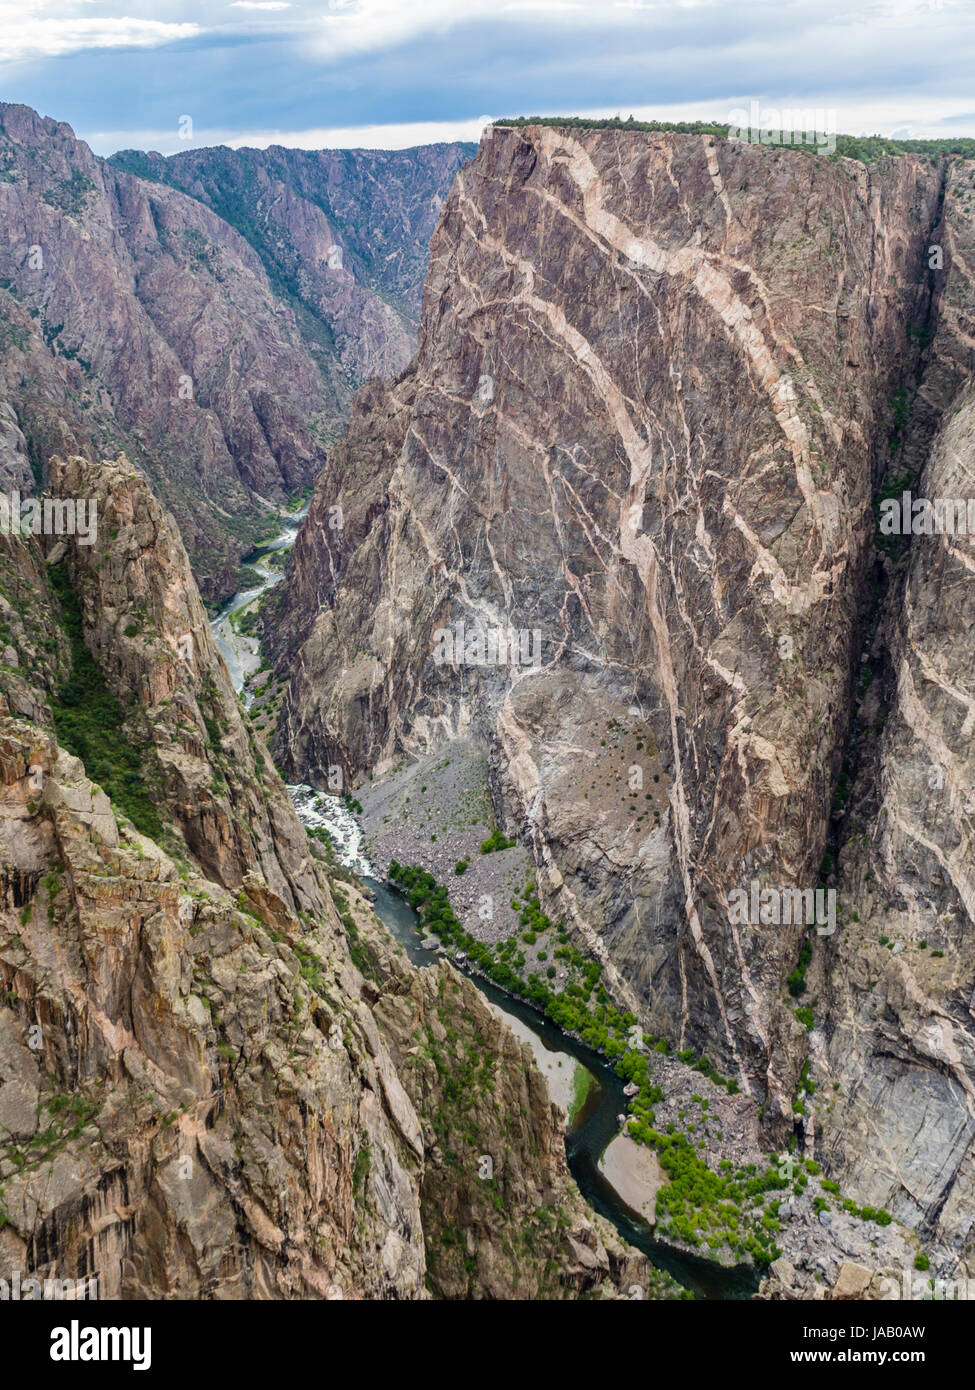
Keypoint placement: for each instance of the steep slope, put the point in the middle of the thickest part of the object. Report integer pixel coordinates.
(165, 335)
(133, 316)
(653, 390)
(343, 235)
(894, 1042)
(215, 1075)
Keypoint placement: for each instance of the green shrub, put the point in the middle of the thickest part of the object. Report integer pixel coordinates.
(697, 1206)
(89, 722)
(797, 980)
(495, 841)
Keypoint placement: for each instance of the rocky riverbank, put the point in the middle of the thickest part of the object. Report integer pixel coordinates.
(436, 811)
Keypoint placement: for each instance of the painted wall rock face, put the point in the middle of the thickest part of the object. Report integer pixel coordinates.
(649, 408)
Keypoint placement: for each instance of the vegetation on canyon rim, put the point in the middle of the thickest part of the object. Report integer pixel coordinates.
(866, 148)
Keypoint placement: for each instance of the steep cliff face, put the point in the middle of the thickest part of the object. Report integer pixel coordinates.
(133, 316)
(343, 235)
(175, 1117)
(653, 393)
(148, 632)
(895, 1033)
(217, 1076)
(165, 335)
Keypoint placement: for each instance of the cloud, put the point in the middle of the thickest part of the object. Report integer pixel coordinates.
(29, 31)
(406, 135)
(397, 72)
(362, 26)
(260, 5)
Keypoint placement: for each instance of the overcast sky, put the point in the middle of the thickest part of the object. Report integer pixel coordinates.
(125, 73)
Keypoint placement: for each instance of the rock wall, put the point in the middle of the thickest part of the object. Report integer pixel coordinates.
(895, 1041)
(656, 381)
(345, 233)
(134, 316)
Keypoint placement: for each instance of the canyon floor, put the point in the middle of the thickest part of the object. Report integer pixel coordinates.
(436, 811)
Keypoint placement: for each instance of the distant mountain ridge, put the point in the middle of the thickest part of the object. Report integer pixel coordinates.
(342, 234)
(134, 317)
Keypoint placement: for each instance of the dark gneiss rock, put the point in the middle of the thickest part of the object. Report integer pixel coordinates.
(657, 387)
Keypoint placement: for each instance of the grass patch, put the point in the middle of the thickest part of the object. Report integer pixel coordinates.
(582, 1083)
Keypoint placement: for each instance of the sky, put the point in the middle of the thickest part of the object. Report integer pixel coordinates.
(128, 74)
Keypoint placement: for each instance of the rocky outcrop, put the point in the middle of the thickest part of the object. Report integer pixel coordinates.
(190, 1111)
(215, 1079)
(653, 389)
(15, 470)
(853, 1281)
(148, 632)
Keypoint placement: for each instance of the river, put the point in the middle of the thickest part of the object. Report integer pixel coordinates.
(596, 1122)
(594, 1126)
(240, 651)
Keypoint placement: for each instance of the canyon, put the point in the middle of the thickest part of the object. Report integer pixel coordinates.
(218, 1076)
(134, 317)
(590, 622)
